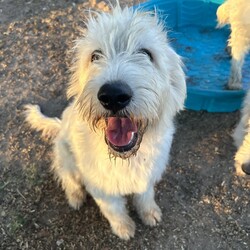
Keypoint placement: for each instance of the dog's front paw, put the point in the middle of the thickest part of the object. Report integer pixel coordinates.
(125, 229)
(152, 216)
(234, 86)
(76, 198)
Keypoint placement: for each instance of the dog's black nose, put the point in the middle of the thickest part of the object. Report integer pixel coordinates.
(246, 168)
(114, 96)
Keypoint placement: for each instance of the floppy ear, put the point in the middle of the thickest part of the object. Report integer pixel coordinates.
(177, 79)
(79, 69)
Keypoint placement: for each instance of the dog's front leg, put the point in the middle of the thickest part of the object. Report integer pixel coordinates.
(242, 157)
(65, 169)
(114, 209)
(236, 75)
(147, 208)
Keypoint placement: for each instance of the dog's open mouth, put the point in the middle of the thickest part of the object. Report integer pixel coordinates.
(123, 136)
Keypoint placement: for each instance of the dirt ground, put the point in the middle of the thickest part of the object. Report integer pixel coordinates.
(204, 205)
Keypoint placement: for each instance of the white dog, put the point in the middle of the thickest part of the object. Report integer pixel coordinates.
(237, 14)
(114, 139)
(242, 140)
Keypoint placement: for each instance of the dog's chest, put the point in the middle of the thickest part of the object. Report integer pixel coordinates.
(121, 177)
(117, 176)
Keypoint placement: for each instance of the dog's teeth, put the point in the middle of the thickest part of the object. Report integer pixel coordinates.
(132, 137)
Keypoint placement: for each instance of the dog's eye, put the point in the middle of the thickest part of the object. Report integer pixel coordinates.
(96, 55)
(146, 52)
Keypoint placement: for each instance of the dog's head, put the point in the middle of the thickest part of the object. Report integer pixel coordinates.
(126, 78)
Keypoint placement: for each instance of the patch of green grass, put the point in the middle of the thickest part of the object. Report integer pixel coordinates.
(32, 175)
(16, 224)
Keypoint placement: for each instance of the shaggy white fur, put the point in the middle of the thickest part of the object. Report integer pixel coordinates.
(237, 14)
(116, 142)
(242, 140)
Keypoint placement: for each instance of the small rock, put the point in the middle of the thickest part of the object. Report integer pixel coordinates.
(59, 242)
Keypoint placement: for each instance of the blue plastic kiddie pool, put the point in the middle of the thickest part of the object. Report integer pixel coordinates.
(193, 34)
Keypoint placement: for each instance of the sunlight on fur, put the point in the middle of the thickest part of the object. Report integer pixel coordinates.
(237, 14)
(114, 139)
(242, 140)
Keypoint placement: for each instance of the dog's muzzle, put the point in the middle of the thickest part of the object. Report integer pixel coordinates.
(122, 134)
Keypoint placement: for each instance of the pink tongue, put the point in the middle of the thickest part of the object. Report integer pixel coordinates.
(120, 131)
